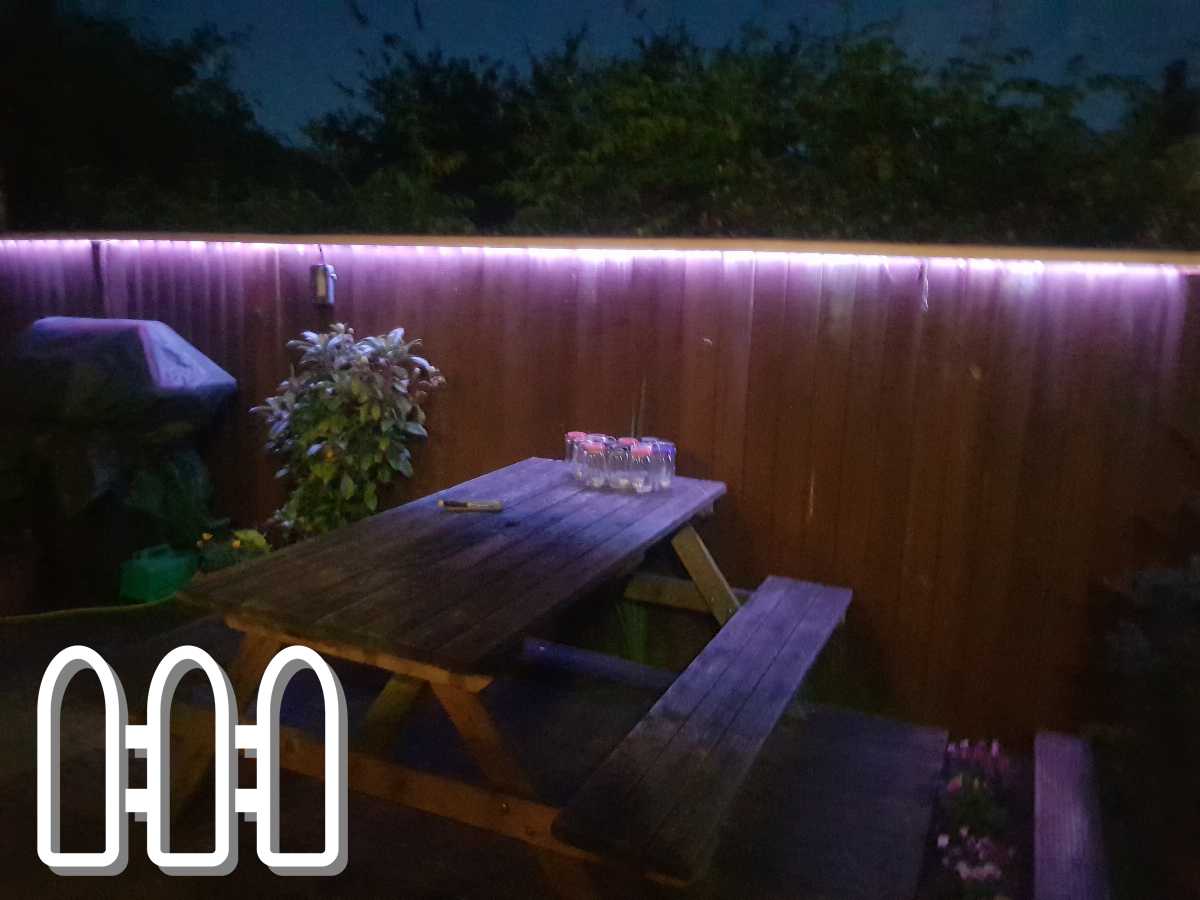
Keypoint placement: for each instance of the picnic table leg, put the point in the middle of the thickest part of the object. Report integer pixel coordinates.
(191, 750)
(386, 712)
(569, 878)
(483, 739)
(702, 568)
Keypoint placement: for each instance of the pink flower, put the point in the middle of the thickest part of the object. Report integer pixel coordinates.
(955, 784)
(943, 841)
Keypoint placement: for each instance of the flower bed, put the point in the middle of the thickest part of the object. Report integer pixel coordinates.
(979, 841)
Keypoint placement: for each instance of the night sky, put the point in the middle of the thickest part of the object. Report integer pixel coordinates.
(292, 52)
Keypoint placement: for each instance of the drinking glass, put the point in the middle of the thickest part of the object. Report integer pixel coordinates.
(642, 466)
(571, 440)
(595, 474)
(618, 460)
(664, 458)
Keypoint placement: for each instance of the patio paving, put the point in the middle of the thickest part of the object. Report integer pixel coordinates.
(837, 806)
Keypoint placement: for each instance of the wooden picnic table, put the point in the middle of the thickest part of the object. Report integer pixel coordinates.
(443, 598)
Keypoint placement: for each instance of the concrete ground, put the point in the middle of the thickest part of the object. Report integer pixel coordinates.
(838, 805)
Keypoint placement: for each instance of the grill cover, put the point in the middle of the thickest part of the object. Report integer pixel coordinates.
(111, 372)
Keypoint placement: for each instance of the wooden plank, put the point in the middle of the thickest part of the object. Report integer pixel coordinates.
(1009, 403)
(769, 359)
(717, 393)
(962, 416)
(709, 580)
(936, 373)
(344, 596)
(662, 383)
(602, 551)
(1068, 857)
(797, 382)
(666, 590)
(827, 434)
(416, 524)
(1037, 583)
(877, 585)
(400, 597)
(410, 604)
(366, 655)
(530, 563)
(868, 368)
(660, 797)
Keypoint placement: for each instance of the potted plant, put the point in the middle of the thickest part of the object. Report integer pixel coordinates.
(342, 423)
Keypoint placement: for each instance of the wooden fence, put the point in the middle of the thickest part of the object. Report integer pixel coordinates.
(967, 442)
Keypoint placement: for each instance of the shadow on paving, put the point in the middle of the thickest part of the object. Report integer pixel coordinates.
(837, 806)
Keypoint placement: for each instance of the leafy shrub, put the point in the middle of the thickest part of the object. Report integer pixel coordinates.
(1148, 740)
(173, 494)
(342, 422)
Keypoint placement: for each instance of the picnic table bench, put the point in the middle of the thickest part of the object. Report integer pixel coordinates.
(444, 599)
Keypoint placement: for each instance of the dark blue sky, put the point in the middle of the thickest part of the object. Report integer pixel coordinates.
(294, 49)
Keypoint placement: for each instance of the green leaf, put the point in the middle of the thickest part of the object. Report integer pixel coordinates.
(405, 468)
(416, 429)
(369, 497)
(347, 486)
(397, 454)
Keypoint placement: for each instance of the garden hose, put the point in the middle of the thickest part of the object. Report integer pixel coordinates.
(84, 611)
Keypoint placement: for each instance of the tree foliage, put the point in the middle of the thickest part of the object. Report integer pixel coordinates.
(102, 127)
(797, 136)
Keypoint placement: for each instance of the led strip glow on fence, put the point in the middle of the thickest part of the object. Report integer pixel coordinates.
(152, 740)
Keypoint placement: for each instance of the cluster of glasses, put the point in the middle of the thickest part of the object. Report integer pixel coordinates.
(638, 465)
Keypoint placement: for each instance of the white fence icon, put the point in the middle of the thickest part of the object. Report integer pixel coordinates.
(261, 740)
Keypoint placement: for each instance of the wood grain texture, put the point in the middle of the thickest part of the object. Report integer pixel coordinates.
(1068, 854)
(660, 797)
(966, 442)
(431, 594)
(705, 574)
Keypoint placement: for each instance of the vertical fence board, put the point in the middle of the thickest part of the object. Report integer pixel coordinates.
(796, 383)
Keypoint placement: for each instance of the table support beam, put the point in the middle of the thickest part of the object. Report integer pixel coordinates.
(717, 594)
(387, 712)
(192, 749)
(483, 739)
(677, 593)
(389, 662)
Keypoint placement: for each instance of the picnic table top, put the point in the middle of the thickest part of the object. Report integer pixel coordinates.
(454, 589)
